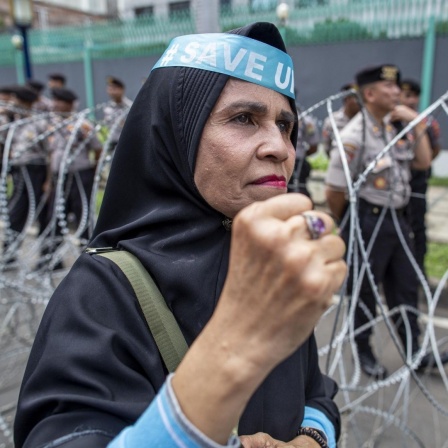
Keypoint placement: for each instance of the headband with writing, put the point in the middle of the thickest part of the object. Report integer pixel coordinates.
(233, 55)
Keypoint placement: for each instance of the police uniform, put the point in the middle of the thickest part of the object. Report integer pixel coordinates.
(419, 184)
(113, 111)
(341, 120)
(29, 161)
(307, 136)
(6, 118)
(81, 164)
(386, 187)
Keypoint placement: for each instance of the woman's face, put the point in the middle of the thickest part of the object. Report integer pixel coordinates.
(245, 154)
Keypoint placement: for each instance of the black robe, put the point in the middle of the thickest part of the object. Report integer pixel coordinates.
(94, 366)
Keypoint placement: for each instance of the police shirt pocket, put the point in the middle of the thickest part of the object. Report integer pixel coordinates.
(382, 164)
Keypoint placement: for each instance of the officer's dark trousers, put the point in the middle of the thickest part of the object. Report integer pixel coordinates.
(19, 202)
(392, 268)
(416, 215)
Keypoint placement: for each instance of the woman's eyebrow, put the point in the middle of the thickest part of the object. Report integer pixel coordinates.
(248, 106)
(288, 116)
(256, 108)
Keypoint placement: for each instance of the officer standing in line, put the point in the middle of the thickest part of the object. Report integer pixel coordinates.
(6, 117)
(56, 81)
(350, 107)
(43, 104)
(386, 189)
(410, 96)
(86, 148)
(29, 159)
(5, 95)
(307, 141)
(115, 107)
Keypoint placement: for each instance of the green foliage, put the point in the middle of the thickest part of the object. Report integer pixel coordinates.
(438, 181)
(338, 30)
(99, 200)
(318, 162)
(442, 27)
(436, 260)
(102, 134)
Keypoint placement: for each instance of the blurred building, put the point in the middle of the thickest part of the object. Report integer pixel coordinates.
(52, 13)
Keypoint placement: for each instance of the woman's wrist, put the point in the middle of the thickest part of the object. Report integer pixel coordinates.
(318, 436)
(213, 385)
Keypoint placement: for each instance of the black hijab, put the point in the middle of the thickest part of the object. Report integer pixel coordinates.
(152, 207)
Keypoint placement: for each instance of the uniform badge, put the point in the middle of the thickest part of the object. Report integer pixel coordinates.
(350, 151)
(389, 73)
(380, 183)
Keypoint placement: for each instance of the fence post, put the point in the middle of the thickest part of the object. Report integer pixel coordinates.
(19, 67)
(428, 63)
(88, 74)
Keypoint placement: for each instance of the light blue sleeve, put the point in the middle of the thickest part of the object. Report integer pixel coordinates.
(318, 420)
(164, 425)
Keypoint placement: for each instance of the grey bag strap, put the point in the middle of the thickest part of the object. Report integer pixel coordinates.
(160, 319)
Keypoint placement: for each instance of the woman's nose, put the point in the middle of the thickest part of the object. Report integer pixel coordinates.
(275, 144)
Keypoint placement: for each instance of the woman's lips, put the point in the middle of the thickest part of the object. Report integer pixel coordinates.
(272, 181)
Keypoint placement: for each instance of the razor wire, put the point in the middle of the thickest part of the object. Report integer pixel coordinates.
(341, 352)
(30, 269)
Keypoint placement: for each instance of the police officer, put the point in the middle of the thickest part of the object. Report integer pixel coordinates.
(6, 117)
(43, 104)
(307, 141)
(115, 108)
(29, 160)
(410, 96)
(85, 151)
(350, 107)
(56, 81)
(5, 95)
(387, 190)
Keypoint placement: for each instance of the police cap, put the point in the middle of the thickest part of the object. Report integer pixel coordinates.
(35, 85)
(24, 93)
(57, 77)
(7, 90)
(112, 81)
(409, 85)
(63, 94)
(386, 72)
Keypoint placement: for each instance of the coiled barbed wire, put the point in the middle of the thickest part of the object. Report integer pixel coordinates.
(25, 291)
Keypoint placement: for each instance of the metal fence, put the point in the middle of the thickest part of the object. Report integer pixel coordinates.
(308, 23)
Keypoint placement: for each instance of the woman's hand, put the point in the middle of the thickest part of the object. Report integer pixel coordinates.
(262, 440)
(279, 283)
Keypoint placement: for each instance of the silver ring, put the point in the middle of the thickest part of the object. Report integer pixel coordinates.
(316, 225)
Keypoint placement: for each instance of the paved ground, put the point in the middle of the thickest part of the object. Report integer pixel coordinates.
(400, 414)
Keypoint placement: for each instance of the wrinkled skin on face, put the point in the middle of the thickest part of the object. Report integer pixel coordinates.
(246, 154)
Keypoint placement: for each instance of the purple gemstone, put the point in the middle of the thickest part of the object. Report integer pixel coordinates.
(318, 226)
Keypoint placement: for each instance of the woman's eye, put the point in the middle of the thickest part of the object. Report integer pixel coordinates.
(242, 119)
(285, 126)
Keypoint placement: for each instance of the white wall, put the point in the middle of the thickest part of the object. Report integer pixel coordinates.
(90, 6)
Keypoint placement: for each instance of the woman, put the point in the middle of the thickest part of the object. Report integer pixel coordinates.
(199, 149)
